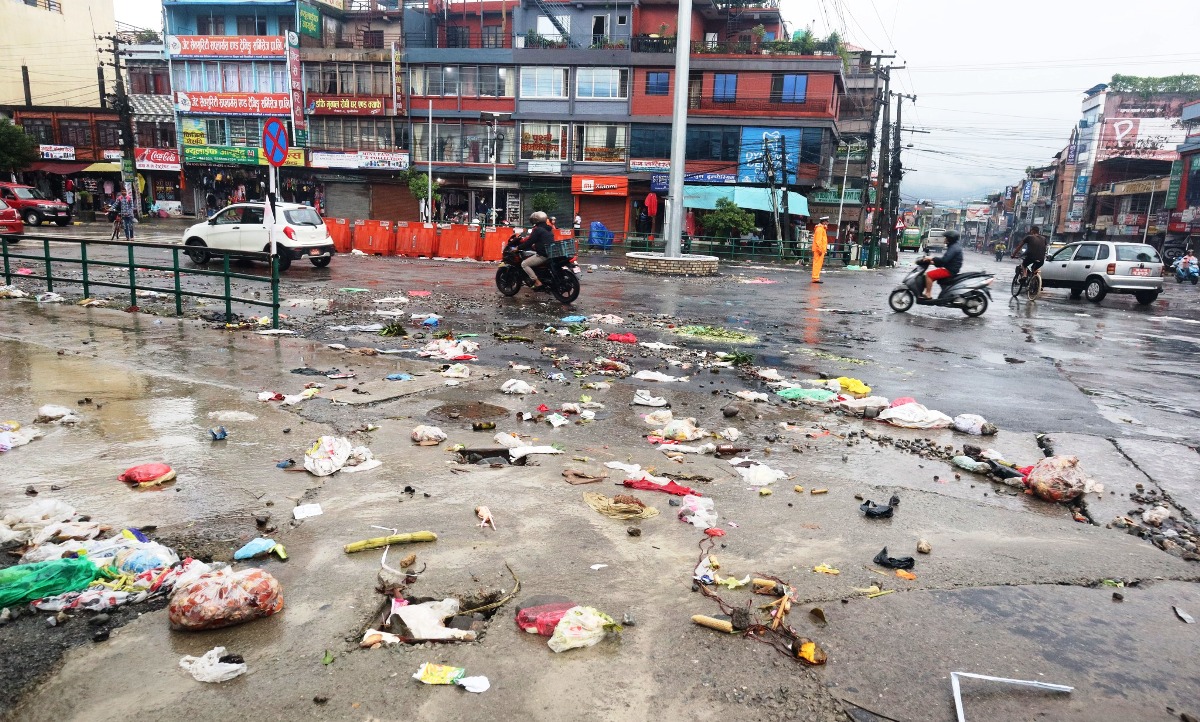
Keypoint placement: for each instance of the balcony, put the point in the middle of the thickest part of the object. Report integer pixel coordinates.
(653, 44)
(51, 5)
(454, 39)
(741, 106)
(833, 197)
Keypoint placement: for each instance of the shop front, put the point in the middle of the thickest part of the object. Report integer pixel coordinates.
(603, 199)
(159, 178)
(360, 185)
(216, 176)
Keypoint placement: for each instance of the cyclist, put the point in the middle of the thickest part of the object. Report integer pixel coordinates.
(1035, 251)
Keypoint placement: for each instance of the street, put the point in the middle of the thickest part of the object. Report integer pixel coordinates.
(1014, 586)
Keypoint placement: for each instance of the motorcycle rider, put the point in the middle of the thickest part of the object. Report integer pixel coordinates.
(539, 241)
(948, 264)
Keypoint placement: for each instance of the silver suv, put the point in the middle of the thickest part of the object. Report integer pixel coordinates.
(1094, 269)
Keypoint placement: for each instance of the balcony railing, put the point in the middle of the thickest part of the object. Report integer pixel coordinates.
(470, 40)
(853, 196)
(53, 6)
(745, 105)
(582, 41)
(650, 44)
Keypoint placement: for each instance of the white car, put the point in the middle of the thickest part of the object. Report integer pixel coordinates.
(240, 228)
(1094, 269)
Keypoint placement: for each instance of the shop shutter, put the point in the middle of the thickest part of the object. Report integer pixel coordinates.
(348, 200)
(609, 210)
(394, 203)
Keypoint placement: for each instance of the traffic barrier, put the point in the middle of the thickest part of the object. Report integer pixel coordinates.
(492, 248)
(415, 239)
(375, 238)
(458, 241)
(339, 231)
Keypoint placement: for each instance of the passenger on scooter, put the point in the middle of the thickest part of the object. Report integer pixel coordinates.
(948, 264)
(539, 241)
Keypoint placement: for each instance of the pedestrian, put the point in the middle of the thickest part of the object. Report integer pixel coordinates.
(819, 246)
(127, 211)
(578, 224)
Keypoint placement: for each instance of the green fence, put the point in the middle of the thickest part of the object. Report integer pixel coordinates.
(733, 249)
(54, 266)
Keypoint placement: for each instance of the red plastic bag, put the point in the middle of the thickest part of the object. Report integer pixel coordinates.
(224, 598)
(902, 401)
(670, 487)
(147, 475)
(622, 337)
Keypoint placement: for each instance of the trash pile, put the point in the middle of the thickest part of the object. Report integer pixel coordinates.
(331, 454)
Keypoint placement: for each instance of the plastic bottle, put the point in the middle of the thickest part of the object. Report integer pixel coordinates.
(540, 615)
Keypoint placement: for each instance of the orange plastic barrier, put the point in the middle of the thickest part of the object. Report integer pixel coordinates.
(458, 241)
(492, 248)
(375, 237)
(339, 231)
(414, 239)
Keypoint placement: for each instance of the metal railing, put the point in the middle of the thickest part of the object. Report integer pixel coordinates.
(649, 44)
(729, 249)
(735, 104)
(42, 266)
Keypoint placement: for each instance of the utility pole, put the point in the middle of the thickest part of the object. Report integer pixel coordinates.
(885, 166)
(25, 84)
(878, 72)
(769, 165)
(897, 173)
(125, 112)
(100, 86)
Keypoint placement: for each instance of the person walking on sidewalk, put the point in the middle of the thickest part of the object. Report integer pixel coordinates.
(819, 246)
(126, 211)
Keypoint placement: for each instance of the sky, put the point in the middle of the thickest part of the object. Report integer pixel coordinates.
(998, 85)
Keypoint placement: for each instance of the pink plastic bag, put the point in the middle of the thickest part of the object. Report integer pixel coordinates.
(147, 475)
(902, 401)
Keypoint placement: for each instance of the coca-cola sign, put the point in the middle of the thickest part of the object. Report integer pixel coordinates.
(157, 159)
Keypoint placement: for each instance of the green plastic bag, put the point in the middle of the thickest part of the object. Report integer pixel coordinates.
(809, 395)
(29, 582)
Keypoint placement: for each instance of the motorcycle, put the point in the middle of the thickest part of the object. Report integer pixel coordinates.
(1000, 254)
(559, 274)
(967, 291)
(1191, 273)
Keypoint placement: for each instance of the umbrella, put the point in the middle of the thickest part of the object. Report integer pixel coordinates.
(652, 204)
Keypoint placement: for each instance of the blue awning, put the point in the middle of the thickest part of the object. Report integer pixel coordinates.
(744, 197)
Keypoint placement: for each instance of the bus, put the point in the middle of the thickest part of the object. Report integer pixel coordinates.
(910, 240)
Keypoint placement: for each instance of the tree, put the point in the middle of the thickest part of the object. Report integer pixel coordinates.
(1146, 86)
(147, 37)
(727, 220)
(545, 201)
(418, 185)
(17, 150)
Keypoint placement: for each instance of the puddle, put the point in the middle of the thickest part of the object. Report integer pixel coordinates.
(469, 411)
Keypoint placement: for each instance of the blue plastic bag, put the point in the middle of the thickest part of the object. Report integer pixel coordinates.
(255, 548)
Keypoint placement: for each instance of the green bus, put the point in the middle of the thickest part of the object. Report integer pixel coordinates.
(910, 240)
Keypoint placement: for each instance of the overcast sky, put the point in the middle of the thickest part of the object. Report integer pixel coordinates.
(998, 85)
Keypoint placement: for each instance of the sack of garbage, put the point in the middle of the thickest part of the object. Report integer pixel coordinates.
(974, 424)
(868, 407)
(681, 430)
(915, 416)
(699, 511)
(211, 668)
(144, 475)
(428, 435)
(1059, 478)
(145, 556)
(327, 455)
(224, 598)
(26, 582)
(581, 627)
(517, 386)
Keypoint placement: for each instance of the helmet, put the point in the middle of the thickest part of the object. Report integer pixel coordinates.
(538, 217)
(951, 237)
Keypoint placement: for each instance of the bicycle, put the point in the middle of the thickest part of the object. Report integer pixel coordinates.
(1022, 283)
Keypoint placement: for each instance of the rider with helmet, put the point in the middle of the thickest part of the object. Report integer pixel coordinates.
(948, 264)
(539, 242)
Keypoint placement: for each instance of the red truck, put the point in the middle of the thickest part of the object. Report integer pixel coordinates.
(34, 207)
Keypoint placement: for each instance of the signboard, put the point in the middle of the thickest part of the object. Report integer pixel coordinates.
(545, 166)
(336, 4)
(296, 90)
(857, 152)
(1072, 227)
(1081, 183)
(275, 142)
(112, 155)
(236, 155)
(156, 159)
(1130, 219)
(648, 164)
(1072, 150)
(1008, 193)
(977, 213)
(1173, 185)
(194, 131)
(57, 152)
(1130, 188)
(310, 21)
(265, 47)
(781, 145)
(1143, 138)
(1078, 204)
(1027, 191)
(512, 208)
(595, 185)
(345, 105)
(377, 160)
(127, 171)
(660, 182)
(233, 103)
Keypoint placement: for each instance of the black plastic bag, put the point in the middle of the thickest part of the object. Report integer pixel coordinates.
(883, 560)
(875, 511)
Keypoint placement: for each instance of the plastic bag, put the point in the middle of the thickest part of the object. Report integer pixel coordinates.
(760, 474)
(517, 386)
(973, 424)
(915, 416)
(642, 397)
(699, 511)
(210, 668)
(1059, 478)
(622, 337)
(145, 475)
(13, 438)
(425, 620)
(853, 387)
(27, 582)
(327, 455)
(681, 430)
(658, 376)
(966, 462)
(224, 598)
(745, 395)
(808, 396)
(883, 560)
(868, 407)
(144, 557)
(580, 627)
(257, 547)
(428, 435)
(457, 371)
(26, 522)
(51, 414)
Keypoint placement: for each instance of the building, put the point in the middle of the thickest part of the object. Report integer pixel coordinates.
(1183, 190)
(66, 77)
(156, 157)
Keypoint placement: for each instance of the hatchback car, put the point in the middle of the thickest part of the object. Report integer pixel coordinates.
(11, 224)
(1094, 269)
(935, 241)
(300, 233)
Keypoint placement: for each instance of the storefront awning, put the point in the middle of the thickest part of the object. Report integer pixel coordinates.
(58, 166)
(103, 168)
(744, 197)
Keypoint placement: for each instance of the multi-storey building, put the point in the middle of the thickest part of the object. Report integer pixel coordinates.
(1183, 192)
(156, 157)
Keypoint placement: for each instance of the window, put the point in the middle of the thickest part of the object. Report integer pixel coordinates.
(1137, 254)
(253, 215)
(148, 81)
(1086, 252)
(650, 141)
(1102, 254)
(597, 143)
(713, 142)
(155, 135)
(351, 133)
(229, 216)
(493, 36)
(372, 39)
(109, 133)
(1193, 181)
(75, 132)
(622, 20)
(251, 25)
(599, 29)
(724, 87)
(230, 73)
(658, 83)
(546, 28)
(789, 88)
(287, 24)
(495, 82)
(40, 129)
(467, 81)
(245, 132)
(601, 83)
(211, 25)
(1063, 254)
(810, 145)
(214, 131)
(538, 82)
(543, 141)
(458, 36)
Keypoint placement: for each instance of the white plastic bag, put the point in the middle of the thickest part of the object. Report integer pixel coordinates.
(327, 456)
(642, 397)
(730, 434)
(973, 424)
(51, 414)
(658, 376)
(26, 522)
(210, 668)
(681, 430)
(760, 474)
(699, 511)
(508, 441)
(457, 371)
(659, 418)
(517, 386)
(752, 396)
(580, 627)
(915, 416)
(428, 435)
(425, 620)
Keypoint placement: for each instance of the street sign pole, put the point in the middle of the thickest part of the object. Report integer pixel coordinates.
(272, 172)
(275, 148)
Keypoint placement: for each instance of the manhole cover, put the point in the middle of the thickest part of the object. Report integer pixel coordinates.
(472, 411)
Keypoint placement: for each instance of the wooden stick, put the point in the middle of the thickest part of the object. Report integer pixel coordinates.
(383, 541)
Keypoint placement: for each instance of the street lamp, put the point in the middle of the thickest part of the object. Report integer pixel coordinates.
(492, 119)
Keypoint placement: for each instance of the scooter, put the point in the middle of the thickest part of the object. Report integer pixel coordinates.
(1191, 273)
(559, 274)
(967, 291)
